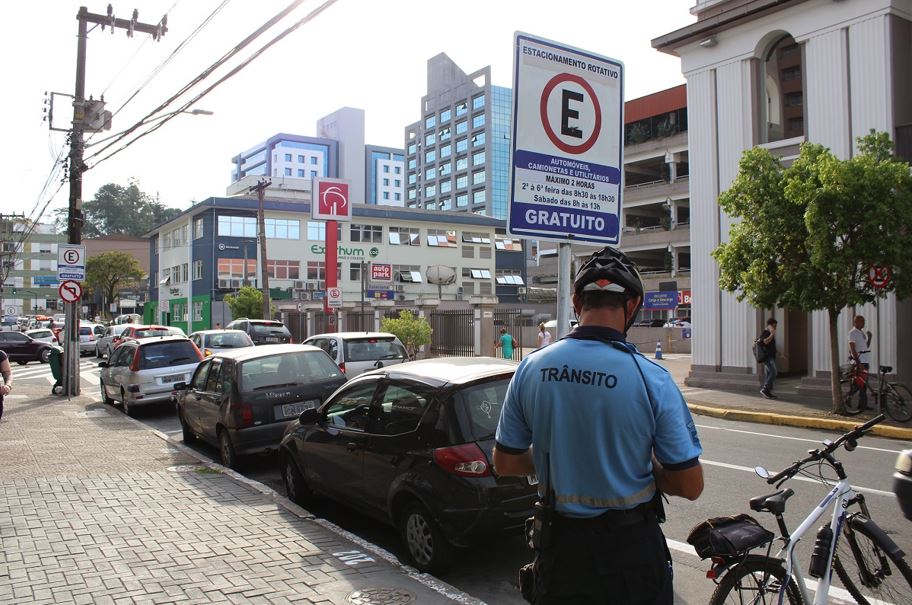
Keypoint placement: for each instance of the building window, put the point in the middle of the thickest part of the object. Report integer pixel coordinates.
(430, 191)
(412, 178)
(478, 177)
(469, 273)
(412, 147)
(484, 252)
(430, 121)
(386, 168)
(509, 277)
(461, 145)
(430, 138)
(397, 196)
(507, 244)
(386, 195)
(484, 288)
(233, 268)
(782, 92)
(283, 269)
(478, 102)
(316, 270)
(197, 269)
(430, 173)
(397, 170)
(287, 157)
(279, 228)
(430, 156)
(411, 193)
(445, 203)
(444, 134)
(302, 173)
(371, 234)
(478, 121)
(462, 200)
(462, 181)
(386, 182)
(397, 183)
(300, 159)
(288, 172)
(316, 231)
(441, 238)
(462, 126)
(469, 237)
(404, 236)
(462, 163)
(185, 272)
(478, 140)
(198, 311)
(445, 116)
(446, 151)
(461, 109)
(313, 160)
(446, 168)
(411, 164)
(468, 252)
(408, 274)
(478, 158)
(446, 186)
(313, 174)
(197, 231)
(479, 197)
(237, 226)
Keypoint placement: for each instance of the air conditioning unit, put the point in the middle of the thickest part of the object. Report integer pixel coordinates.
(237, 283)
(224, 284)
(299, 285)
(400, 288)
(520, 290)
(311, 285)
(400, 297)
(302, 294)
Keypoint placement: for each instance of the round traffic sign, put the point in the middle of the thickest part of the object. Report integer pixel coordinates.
(71, 257)
(595, 120)
(70, 291)
(299, 306)
(879, 276)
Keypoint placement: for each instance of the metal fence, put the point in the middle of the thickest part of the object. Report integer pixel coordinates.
(512, 320)
(453, 333)
(359, 322)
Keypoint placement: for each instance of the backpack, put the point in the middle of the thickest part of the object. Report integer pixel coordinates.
(760, 353)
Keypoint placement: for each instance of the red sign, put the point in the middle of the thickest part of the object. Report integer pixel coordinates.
(381, 272)
(879, 276)
(683, 297)
(330, 200)
(70, 291)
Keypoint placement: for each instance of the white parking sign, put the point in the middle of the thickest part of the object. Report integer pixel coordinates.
(71, 262)
(568, 130)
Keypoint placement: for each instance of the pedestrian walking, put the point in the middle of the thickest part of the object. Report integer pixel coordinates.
(860, 352)
(768, 341)
(7, 372)
(505, 342)
(605, 430)
(544, 336)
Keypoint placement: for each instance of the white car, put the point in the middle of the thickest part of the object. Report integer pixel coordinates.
(210, 342)
(42, 334)
(359, 352)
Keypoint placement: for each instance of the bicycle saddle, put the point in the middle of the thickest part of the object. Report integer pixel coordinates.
(886, 369)
(774, 503)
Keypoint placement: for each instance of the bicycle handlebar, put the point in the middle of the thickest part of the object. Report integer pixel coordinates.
(822, 454)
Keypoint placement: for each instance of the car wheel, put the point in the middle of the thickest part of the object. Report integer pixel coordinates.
(295, 487)
(427, 548)
(226, 450)
(44, 355)
(104, 395)
(188, 435)
(126, 406)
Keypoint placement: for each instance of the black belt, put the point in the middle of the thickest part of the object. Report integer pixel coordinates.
(614, 517)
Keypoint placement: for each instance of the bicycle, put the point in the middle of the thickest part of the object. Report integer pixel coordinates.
(894, 397)
(872, 567)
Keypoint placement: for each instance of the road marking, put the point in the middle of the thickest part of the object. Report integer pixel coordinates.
(803, 439)
(869, 490)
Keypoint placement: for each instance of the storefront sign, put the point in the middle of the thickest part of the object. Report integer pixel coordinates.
(381, 272)
(381, 294)
(683, 297)
(660, 300)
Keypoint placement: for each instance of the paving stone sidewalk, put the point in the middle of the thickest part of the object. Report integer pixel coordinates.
(95, 508)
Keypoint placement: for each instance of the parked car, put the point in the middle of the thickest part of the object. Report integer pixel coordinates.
(217, 341)
(144, 371)
(42, 334)
(411, 445)
(88, 333)
(678, 322)
(22, 348)
(262, 331)
(650, 323)
(128, 318)
(9, 323)
(104, 344)
(242, 400)
(358, 352)
(135, 331)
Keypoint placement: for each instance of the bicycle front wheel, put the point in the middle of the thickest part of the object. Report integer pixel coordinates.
(851, 397)
(757, 581)
(899, 403)
(869, 570)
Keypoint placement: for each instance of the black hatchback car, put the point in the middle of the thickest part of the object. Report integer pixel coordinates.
(242, 400)
(411, 445)
(262, 331)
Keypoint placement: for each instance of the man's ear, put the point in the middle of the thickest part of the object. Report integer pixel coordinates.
(632, 304)
(577, 303)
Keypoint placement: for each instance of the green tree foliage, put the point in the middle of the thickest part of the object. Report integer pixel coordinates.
(809, 233)
(118, 210)
(109, 272)
(248, 302)
(411, 330)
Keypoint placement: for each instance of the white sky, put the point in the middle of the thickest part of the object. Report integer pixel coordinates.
(367, 54)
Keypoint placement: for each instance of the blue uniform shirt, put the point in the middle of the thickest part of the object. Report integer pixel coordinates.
(585, 403)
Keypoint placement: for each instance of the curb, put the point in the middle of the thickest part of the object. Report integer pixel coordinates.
(808, 422)
(442, 588)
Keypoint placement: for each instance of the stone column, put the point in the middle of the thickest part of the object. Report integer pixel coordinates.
(425, 307)
(484, 324)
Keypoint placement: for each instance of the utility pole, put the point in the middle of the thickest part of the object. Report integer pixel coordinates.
(77, 167)
(260, 189)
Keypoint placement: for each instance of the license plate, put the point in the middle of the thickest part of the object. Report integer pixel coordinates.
(172, 378)
(289, 410)
(268, 339)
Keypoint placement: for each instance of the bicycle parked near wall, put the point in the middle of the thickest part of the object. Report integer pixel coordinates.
(895, 398)
(871, 566)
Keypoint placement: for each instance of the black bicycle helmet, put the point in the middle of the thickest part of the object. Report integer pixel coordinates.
(609, 270)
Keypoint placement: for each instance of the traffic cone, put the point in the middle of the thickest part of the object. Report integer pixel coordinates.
(658, 350)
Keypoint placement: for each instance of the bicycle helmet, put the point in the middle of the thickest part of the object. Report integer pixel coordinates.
(609, 270)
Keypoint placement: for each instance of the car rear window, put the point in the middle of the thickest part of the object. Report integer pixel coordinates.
(152, 332)
(270, 329)
(85, 330)
(478, 407)
(41, 334)
(371, 349)
(167, 354)
(296, 367)
(229, 340)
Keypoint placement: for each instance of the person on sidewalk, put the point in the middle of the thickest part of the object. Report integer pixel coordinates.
(605, 430)
(506, 343)
(544, 336)
(768, 339)
(7, 372)
(860, 351)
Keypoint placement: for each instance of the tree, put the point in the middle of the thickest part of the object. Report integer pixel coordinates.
(248, 302)
(810, 232)
(108, 272)
(413, 331)
(118, 210)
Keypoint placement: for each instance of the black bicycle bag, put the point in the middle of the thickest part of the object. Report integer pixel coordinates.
(728, 536)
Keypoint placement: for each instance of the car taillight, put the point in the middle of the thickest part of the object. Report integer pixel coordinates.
(207, 352)
(134, 365)
(465, 460)
(342, 367)
(241, 414)
(91, 337)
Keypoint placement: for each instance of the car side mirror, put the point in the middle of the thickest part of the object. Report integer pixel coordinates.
(179, 386)
(102, 364)
(310, 416)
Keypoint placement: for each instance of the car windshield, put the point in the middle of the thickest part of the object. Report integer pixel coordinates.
(166, 354)
(270, 329)
(286, 369)
(372, 349)
(478, 407)
(228, 340)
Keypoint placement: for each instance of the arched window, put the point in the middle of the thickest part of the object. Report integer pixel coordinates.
(782, 90)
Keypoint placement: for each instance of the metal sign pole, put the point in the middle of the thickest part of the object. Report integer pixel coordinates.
(564, 306)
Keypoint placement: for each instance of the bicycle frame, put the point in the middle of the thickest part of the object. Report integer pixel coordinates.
(839, 498)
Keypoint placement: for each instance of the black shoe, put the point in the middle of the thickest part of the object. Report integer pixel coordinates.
(771, 395)
(765, 394)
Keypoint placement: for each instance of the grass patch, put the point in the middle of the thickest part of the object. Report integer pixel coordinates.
(205, 470)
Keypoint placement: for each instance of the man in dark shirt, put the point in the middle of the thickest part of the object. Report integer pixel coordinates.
(768, 339)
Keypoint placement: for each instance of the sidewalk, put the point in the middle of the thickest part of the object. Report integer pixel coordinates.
(790, 409)
(97, 508)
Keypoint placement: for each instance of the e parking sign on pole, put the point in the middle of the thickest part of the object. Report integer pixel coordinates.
(568, 143)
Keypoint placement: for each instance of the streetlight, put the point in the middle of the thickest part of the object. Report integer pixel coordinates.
(192, 112)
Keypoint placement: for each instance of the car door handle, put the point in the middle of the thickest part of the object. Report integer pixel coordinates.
(352, 446)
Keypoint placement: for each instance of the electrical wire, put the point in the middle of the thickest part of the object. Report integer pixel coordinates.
(203, 75)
